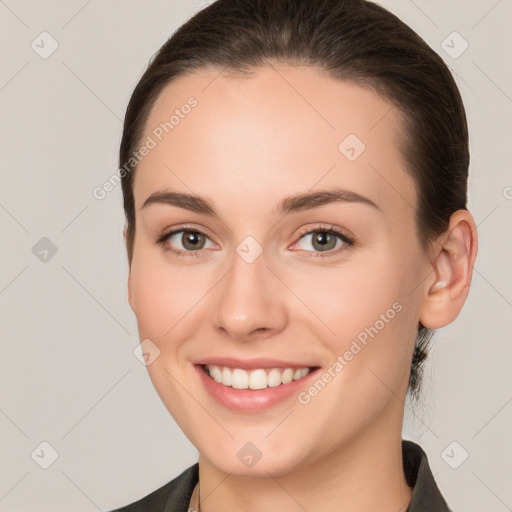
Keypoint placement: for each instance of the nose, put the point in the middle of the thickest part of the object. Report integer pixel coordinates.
(250, 301)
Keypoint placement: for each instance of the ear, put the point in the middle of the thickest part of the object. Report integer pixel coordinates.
(453, 262)
(130, 292)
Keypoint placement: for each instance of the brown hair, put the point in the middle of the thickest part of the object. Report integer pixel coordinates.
(352, 40)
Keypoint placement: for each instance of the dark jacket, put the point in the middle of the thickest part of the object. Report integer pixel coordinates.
(175, 495)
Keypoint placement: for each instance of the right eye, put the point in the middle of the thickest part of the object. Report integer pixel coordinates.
(191, 241)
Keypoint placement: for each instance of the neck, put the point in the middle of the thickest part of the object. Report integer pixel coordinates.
(364, 474)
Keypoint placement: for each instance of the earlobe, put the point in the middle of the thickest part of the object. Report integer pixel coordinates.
(453, 268)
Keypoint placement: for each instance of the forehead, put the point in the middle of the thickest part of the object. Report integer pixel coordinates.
(277, 131)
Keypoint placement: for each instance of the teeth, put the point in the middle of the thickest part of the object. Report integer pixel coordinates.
(257, 379)
(287, 376)
(239, 379)
(254, 379)
(226, 377)
(274, 378)
(216, 374)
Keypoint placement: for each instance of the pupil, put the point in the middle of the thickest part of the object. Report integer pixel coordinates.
(322, 236)
(192, 239)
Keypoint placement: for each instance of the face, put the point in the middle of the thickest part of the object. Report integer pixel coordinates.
(249, 278)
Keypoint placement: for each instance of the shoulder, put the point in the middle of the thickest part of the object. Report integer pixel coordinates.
(426, 496)
(174, 496)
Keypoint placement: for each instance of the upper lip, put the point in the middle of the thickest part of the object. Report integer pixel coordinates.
(252, 364)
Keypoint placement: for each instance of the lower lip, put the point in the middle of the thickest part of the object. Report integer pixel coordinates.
(252, 400)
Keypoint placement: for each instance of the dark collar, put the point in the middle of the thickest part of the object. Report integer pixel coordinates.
(426, 497)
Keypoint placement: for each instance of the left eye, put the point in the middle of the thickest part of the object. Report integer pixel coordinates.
(323, 240)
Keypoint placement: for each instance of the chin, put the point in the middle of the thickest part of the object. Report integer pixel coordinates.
(250, 462)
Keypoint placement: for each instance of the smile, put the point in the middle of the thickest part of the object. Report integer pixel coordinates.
(239, 378)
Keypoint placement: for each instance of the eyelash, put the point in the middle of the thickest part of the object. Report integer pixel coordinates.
(162, 237)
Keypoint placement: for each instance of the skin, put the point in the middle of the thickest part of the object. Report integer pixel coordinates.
(250, 143)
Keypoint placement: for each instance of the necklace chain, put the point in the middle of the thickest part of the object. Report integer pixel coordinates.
(198, 509)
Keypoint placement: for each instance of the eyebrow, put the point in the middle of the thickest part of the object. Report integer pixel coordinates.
(288, 205)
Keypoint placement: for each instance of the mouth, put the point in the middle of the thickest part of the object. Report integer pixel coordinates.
(257, 379)
(253, 390)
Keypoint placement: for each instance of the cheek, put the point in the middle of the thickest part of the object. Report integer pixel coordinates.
(365, 317)
(343, 300)
(171, 304)
(161, 296)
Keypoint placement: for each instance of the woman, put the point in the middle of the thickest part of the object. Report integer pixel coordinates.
(294, 179)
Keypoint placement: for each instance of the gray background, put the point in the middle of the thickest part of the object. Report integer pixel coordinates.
(68, 373)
